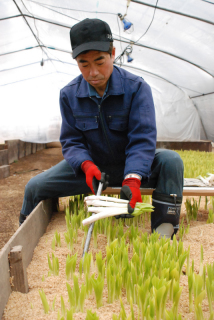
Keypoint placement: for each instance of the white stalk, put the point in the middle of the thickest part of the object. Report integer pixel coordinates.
(106, 209)
(100, 203)
(105, 213)
(106, 199)
(95, 209)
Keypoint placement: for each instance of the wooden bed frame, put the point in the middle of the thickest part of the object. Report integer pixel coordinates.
(187, 191)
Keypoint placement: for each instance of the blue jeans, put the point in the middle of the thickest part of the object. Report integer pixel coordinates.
(60, 181)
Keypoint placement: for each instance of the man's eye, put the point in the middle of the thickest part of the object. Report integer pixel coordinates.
(85, 66)
(99, 64)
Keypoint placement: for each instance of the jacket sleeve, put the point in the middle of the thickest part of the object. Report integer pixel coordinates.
(74, 146)
(140, 150)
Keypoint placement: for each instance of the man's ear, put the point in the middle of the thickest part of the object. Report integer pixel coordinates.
(113, 53)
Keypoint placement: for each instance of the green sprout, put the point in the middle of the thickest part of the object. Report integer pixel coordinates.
(98, 285)
(71, 296)
(176, 296)
(54, 266)
(206, 203)
(190, 284)
(100, 264)
(53, 304)
(70, 266)
(87, 263)
(69, 314)
(95, 235)
(70, 235)
(58, 240)
(82, 297)
(62, 306)
(199, 295)
(44, 301)
(76, 290)
(201, 262)
(53, 243)
(210, 216)
(91, 316)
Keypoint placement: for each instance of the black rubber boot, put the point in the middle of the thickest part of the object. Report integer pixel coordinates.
(166, 214)
(22, 218)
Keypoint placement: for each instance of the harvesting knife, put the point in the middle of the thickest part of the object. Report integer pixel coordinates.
(103, 183)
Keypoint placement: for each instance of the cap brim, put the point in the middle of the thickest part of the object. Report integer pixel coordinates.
(97, 45)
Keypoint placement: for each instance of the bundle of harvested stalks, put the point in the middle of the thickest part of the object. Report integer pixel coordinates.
(109, 206)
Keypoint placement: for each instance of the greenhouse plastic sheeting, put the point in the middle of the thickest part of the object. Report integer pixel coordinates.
(173, 50)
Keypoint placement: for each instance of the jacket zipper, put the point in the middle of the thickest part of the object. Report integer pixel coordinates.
(103, 128)
(104, 131)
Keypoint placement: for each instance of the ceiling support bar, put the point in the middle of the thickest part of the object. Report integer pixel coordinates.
(173, 11)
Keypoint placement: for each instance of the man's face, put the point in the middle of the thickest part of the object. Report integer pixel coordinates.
(96, 67)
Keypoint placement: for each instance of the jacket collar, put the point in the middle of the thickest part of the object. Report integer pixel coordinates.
(115, 85)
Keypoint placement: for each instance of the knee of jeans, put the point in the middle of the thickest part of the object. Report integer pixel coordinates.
(173, 161)
(31, 187)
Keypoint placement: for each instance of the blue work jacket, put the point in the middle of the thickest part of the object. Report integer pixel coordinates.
(121, 130)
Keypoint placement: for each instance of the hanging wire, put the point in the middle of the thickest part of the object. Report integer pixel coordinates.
(46, 5)
(120, 40)
(149, 24)
(41, 44)
(208, 1)
(134, 42)
(37, 36)
(34, 63)
(63, 14)
(128, 50)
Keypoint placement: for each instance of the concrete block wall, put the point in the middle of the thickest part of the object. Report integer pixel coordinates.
(13, 150)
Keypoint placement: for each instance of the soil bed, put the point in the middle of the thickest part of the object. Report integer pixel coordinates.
(29, 306)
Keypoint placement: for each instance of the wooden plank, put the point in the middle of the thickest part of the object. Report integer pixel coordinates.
(33, 147)
(28, 148)
(201, 145)
(198, 191)
(39, 146)
(187, 191)
(22, 149)
(18, 273)
(4, 157)
(27, 236)
(4, 171)
(3, 146)
(116, 190)
(13, 150)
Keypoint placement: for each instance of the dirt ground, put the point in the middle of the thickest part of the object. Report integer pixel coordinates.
(12, 188)
(11, 196)
(29, 306)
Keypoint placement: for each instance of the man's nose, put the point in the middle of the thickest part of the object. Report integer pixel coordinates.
(93, 71)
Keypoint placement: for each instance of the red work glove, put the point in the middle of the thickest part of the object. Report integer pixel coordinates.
(131, 191)
(92, 173)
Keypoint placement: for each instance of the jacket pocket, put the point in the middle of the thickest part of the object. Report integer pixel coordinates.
(86, 123)
(117, 122)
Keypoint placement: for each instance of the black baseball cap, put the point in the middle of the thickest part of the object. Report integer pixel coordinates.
(90, 34)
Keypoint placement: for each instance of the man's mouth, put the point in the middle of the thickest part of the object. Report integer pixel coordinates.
(94, 81)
